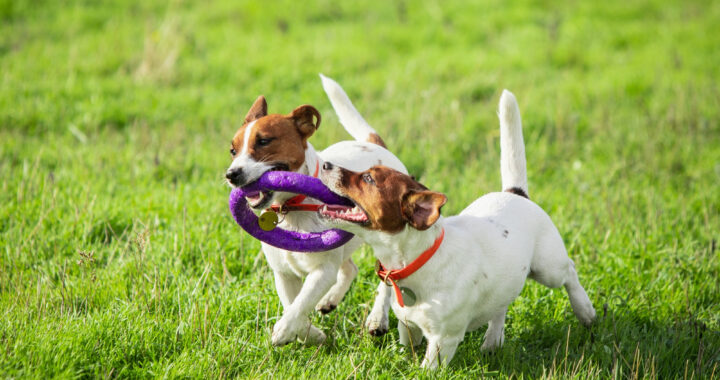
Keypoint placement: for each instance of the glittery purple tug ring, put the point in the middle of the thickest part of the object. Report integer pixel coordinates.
(291, 240)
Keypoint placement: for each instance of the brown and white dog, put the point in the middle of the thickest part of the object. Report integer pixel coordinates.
(478, 260)
(280, 142)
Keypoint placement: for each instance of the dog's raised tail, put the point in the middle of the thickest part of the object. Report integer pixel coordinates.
(349, 117)
(512, 147)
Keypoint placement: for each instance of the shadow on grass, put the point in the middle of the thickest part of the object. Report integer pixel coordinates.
(620, 343)
(623, 343)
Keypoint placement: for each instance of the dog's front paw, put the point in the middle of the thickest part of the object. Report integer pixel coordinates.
(379, 331)
(325, 308)
(286, 330)
(313, 336)
(377, 325)
(329, 302)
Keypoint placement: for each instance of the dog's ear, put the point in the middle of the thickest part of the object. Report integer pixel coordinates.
(258, 110)
(305, 120)
(422, 208)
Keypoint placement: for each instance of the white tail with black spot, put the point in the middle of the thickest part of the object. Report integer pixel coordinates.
(512, 147)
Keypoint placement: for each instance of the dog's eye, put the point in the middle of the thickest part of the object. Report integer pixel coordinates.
(264, 142)
(368, 178)
(233, 151)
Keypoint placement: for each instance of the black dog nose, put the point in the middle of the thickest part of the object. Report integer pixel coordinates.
(235, 176)
(327, 166)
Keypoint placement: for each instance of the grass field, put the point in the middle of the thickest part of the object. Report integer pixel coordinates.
(119, 257)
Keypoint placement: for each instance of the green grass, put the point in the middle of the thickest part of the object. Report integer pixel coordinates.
(119, 258)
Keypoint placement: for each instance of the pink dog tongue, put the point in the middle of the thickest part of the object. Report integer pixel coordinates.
(253, 196)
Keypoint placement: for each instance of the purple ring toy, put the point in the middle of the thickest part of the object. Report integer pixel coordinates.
(291, 240)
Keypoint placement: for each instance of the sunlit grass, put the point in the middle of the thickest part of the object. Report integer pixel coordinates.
(119, 258)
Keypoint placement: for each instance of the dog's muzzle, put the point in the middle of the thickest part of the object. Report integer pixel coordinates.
(236, 177)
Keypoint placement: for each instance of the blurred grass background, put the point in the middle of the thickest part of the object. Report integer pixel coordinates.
(118, 257)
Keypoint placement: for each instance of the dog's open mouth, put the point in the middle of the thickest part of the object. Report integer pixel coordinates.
(259, 199)
(350, 214)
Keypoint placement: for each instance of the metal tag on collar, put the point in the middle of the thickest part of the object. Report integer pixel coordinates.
(268, 220)
(408, 296)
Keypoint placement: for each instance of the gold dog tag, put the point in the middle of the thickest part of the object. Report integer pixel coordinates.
(268, 220)
(408, 296)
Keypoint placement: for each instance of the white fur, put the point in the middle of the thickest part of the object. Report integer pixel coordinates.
(252, 168)
(328, 275)
(349, 117)
(512, 146)
(246, 137)
(480, 267)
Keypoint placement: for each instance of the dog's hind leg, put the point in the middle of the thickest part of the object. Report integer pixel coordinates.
(582, 307)
(345, 276)
(553, 268)
(494, 336)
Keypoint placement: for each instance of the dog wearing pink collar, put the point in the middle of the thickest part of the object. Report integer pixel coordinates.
(268, 142)
(453, 275)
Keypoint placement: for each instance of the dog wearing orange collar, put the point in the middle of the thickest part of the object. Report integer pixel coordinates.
(280, 142)
(455, 274)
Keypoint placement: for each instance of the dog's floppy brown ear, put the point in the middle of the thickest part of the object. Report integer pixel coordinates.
(422, 208)
(304, 118)
(258, 110)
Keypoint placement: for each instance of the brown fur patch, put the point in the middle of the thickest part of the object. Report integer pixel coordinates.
(391, 199)
(277, 139)
(286, 144)
(517, 191)
(375, 139)
(257, 110)
(304, 118)
(422, 208)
